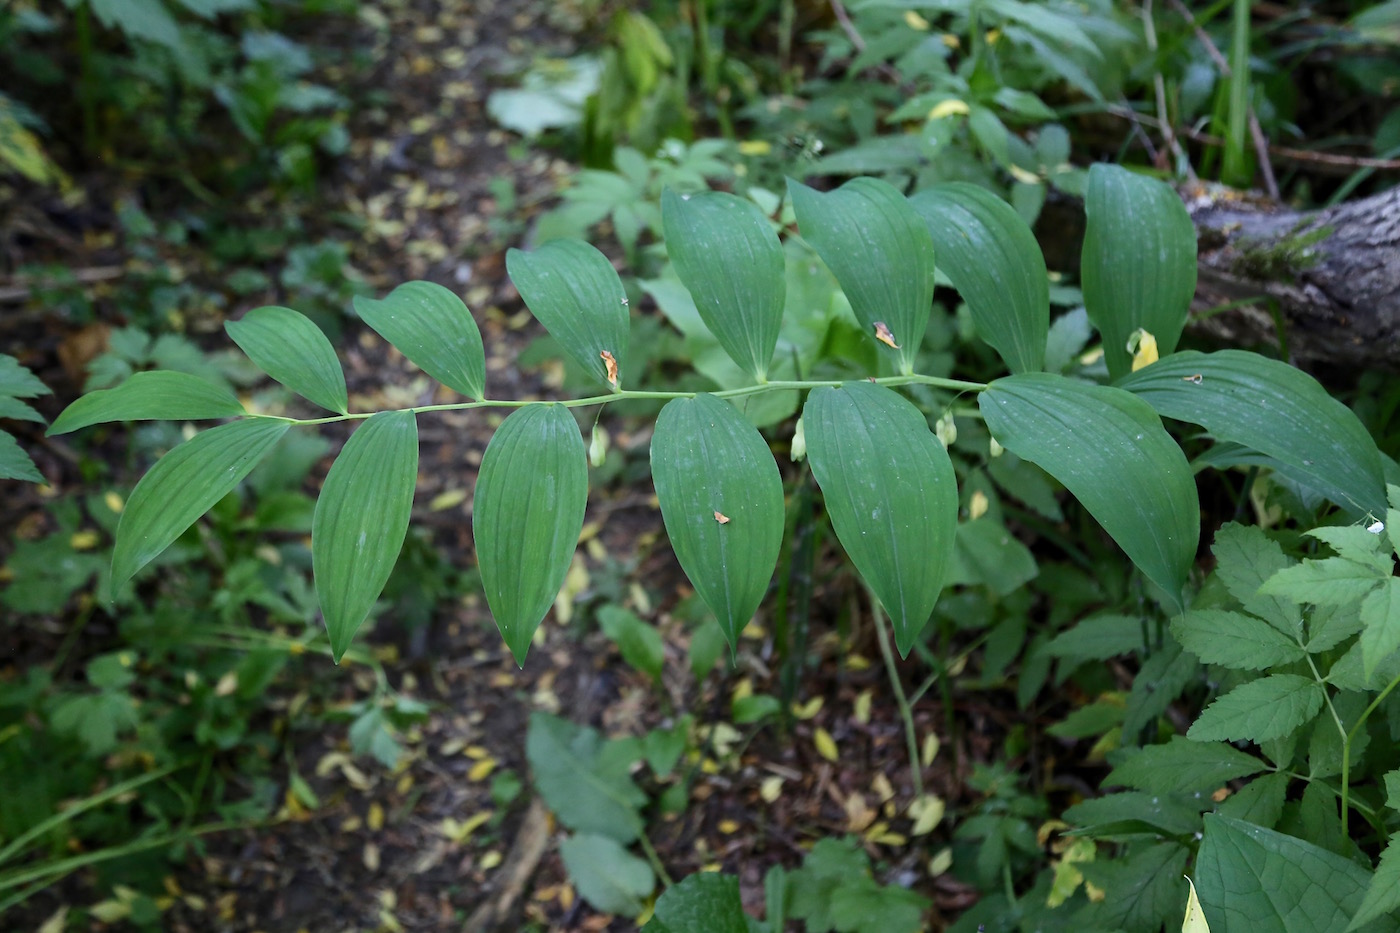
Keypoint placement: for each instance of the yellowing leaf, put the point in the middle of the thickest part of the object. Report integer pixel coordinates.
(915, 21)
(491, 859)
(1143, 346)
(940, 863)
(862, 712)
(1022, 175)
(977, 505)
(948, 108)
(481, 769)
(755, 147)
(1068, 877)
(930, 749)
(807, 710)
(1195, 921)
(375, 818)
(771, 788)
(826, 745)
(447, 499)
(927, 812)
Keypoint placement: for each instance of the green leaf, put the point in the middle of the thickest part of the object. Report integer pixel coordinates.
(1383, 893)
(1245, 557)
(17, 381)
(1110, 450)
(725, 251)
(583, 779)
(1325, 582)
(361, 519)
(986, 553)
(1273, 408)
(722, 501)
(1138, 266)
(705, 902)
(1100, 638)
(575, 293)
(13, 408)
(1183, 766)
(640, 644)
(868, 907)
(1356, 544)
(150, 396)
(531, 493)
(607, 876)
(1268, 708)
(995, 263)
(1392, 790)
(183, 485)
(432, 327)
(1136, 812)
(1259, 802)
(287, 346)
(1143, 891)
(15, 463)
(890, 492)
(1255, 880)
(1233, 639)
(1380, 613)
(879, 249)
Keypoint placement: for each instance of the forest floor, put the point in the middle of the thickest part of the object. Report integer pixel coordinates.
(387, 850)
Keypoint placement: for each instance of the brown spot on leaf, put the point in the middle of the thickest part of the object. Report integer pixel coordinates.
(721, 518)
(883, 334)
(611, 362)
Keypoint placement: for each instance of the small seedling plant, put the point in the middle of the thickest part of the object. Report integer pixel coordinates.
(888, 484)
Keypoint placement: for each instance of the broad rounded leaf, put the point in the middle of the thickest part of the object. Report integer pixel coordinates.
(1138, 267)
(575, 293)
(1275, 409)
(722, 500)
(609, 877)
(432, 327)
(995, 263)
(531, 494)
(704, 902)
(879, 249)
(183, 485)
(727, 255)
(1109, 449)
(890, 492)
(291, 349)
(584, 779)
(1256, 880)
(152, 396)
(361, 519)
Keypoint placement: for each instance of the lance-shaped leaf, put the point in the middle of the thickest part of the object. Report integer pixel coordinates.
(890, 492)
(1138, 268)
(1275, 409)
(153, 396)
(531, 494)
(1107, 447)
(287, 346)
(183, 485)
(433, 328)
(879, 249)
(994, 261)
(722, 501)
(728, 256)
(575, 293)
(360, 521)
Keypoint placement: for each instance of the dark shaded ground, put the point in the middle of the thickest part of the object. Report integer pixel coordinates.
(387, 851)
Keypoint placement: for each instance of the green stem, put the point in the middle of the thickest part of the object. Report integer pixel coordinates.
(52, 871)
(622, 394)
(654, 859)
(18, 845)
(906, 713)
(1351, 734)
(1346, 741)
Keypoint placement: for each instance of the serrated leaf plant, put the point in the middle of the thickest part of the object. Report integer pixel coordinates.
(1261, 798)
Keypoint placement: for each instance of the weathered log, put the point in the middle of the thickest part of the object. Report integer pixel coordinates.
(1331, 277)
